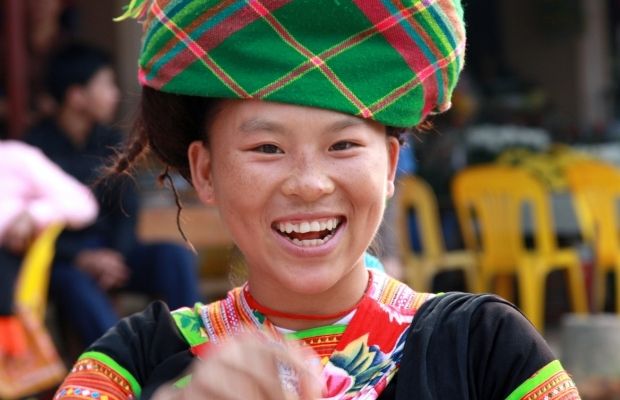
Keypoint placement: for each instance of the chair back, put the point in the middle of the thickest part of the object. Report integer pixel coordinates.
(33, 281)
(596, 191)
(491, 203)
(417, 197)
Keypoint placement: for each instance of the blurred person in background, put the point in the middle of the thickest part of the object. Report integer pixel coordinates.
(107, 255)
(35, 193)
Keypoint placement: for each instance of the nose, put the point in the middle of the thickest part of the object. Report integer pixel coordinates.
(308, 180)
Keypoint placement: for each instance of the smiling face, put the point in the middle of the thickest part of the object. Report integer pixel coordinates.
(302, 191)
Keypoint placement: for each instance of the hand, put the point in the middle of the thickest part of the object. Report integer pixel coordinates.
(249, 367)
(20, 233)
(105, 265)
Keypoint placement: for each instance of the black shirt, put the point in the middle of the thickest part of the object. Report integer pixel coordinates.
(460, 346)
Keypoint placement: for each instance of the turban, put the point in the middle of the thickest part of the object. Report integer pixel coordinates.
(394, 62)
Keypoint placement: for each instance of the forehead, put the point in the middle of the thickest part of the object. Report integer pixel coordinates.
(257, 115)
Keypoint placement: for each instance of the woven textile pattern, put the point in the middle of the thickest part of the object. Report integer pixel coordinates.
(393, 61)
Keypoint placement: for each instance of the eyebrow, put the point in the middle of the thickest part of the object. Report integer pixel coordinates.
(344, 123)
(260, 124)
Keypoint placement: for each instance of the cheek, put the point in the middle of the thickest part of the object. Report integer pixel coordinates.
(366, 184)
(238, 188)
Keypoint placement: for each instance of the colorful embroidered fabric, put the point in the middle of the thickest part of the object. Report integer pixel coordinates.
(391, 61)
(97, 376)
(551, 382)
(358, 360)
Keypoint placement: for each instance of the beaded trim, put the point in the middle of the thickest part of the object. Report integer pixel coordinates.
(112, 386)
(559, 386)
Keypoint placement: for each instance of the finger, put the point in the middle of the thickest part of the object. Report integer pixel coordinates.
(279, 370)
(208, 382)
(299, 371)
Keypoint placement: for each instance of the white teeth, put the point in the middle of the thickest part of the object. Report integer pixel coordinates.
(308, 226)
(310, 243)
(304, 227)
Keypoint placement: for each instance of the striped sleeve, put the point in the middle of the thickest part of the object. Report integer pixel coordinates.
(98, 376)
(133, 359)
(551, 381)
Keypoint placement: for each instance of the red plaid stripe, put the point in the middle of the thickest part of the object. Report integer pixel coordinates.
(403, 42)
(202, 18)
(209, 40)
(379, 27)
(198, 52)
(312, 58)
(422, 75)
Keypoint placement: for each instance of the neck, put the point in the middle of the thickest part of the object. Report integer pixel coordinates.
(75, 124)
(297, 311)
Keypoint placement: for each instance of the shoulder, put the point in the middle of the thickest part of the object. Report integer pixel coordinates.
(481, 343)
(476, 319)
(138, 353)
(452, 306)
(141, 341)
(396, 294)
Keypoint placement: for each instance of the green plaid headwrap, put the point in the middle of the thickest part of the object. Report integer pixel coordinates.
(393, 61)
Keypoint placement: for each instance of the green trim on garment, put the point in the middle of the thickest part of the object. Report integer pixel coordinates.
(535, 380)
(318, 331)
(110, 362)
(189, 323)
(183, 381)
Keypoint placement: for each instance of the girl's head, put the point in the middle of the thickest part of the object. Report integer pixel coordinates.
(278, 113)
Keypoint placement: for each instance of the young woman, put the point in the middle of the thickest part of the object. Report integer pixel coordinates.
(287, 115)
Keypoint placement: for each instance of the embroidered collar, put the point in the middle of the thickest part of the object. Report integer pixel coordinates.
(358, 360)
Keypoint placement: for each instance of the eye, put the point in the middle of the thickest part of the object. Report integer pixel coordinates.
(268, 149)
(342, 145)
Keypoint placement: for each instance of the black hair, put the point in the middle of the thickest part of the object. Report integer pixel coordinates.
(73, 64)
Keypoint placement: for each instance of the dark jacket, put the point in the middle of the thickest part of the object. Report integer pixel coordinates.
(115, 226)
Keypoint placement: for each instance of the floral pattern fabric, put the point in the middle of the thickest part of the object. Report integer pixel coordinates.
(368, 350)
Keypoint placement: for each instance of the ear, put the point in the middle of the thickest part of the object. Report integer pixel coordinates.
(199, 158)
(393, 152)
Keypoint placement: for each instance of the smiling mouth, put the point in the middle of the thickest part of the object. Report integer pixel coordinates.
(309, 233)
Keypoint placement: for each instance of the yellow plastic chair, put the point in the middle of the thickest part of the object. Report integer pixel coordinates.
(490, 202)
(33, 281)
(596, 191)
(44, 368)
(416, 196)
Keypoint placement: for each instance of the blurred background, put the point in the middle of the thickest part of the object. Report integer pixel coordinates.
(540, 92)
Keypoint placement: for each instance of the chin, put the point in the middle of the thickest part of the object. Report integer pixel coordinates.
(318, 280)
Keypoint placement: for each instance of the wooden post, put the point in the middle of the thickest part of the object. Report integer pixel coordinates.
(17, 74)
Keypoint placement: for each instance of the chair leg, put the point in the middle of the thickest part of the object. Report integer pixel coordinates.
(532, 293)
(470, 279)
(599, 289)
(617, 274)
(481, 283)
(576, 284)
(504, 287)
